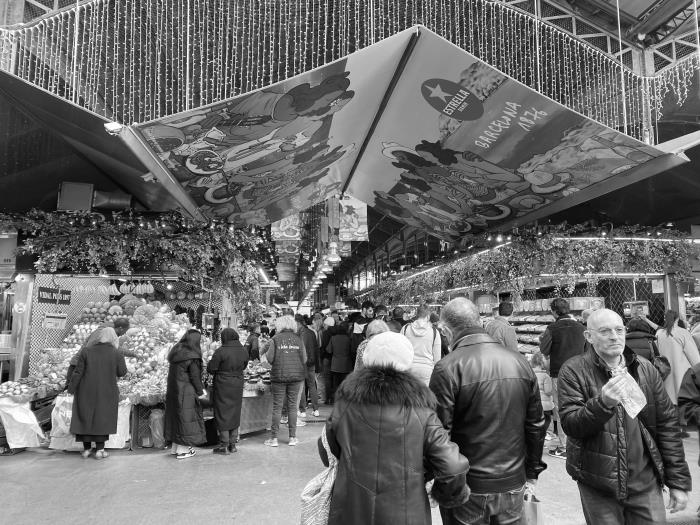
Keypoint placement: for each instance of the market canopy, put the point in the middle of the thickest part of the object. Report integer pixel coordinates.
(413, 125)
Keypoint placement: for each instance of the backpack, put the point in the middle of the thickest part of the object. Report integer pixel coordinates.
(403, 331)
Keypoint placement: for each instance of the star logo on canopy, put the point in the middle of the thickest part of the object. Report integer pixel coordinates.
(437, 92)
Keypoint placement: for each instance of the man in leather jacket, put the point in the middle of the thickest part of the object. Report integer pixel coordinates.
(486, 392)
(620, 462)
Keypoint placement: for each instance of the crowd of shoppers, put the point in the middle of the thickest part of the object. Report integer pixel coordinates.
(433, 413)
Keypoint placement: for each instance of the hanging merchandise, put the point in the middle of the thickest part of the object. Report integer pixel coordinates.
(353, 220)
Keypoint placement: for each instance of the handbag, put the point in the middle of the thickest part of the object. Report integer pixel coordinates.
(316, 496)
(660, 362)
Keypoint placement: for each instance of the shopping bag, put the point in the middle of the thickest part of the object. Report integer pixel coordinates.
(61, 438)
(316, 496)
(22, 430)
(156, 422)
(531, 514)
(123, 435)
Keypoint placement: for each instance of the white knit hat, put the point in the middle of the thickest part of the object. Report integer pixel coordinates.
(389, 349)
(329, 321)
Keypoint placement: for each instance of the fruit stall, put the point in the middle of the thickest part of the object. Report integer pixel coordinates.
(66, 311)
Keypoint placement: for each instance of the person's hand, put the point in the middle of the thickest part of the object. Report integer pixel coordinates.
(678, 500)
(613, 391)
(530, 486)
(204, 394)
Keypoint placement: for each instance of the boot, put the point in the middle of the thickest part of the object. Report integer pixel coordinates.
(232, 447)
(223, 448)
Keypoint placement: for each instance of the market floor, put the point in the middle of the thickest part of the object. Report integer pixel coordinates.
(257, 485)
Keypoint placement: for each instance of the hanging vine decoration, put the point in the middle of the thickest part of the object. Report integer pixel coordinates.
(558, 254)
(222, 257)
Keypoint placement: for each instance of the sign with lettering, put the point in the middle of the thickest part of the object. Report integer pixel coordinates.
(54, 320)
(53, 295)
(451, 99)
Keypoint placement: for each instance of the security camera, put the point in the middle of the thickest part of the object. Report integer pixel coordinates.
(113, 128)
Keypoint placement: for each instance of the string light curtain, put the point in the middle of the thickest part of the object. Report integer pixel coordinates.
(137, 60)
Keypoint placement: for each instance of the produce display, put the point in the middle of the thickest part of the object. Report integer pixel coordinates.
(15, 390)
(154, 329)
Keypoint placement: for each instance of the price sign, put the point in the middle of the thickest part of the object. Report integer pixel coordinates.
(55, 321)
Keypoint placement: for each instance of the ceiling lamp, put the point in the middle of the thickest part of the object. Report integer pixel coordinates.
(333, 256)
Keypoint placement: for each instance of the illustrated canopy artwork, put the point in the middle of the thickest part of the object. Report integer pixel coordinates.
(413, 126)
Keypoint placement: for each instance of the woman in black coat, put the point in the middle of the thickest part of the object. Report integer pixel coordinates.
(384, 408)
(94, 385)
(227, 366)
(342, 357)
(184, 423)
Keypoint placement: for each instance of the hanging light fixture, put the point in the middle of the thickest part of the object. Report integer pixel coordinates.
(333, 256)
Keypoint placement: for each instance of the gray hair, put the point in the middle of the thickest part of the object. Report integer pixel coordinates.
(108, 335)
(460, 314)
(286, 322)
(376, 327)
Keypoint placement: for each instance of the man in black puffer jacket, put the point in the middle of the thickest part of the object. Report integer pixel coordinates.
(489, 399)
(620, 462)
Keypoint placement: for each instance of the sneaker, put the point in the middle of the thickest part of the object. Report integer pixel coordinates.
(191, 452)
(284, 420)
(232, 447)
(301, 414)
(557, 453)
(87, 453)
(549, 436)
(222, 449)
(272, 442)
(293, 442)
(316, 413)
(300, 423)
(101, 454)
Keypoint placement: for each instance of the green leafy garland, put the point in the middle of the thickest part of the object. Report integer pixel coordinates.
(520, 264)
(222, 257)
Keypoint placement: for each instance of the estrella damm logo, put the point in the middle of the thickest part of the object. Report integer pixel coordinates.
(451, 99)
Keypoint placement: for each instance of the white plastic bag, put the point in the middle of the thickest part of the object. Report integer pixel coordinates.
(22, 430)
(119, 439)
(61, 438)
(316, 496)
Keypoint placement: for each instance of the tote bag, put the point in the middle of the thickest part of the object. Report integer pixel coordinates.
(316, 496)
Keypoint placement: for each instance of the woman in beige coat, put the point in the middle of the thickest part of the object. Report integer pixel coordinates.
(677, 345)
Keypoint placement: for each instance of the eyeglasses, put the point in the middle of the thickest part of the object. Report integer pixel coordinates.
(608, 332)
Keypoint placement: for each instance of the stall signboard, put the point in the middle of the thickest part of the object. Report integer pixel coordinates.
(635, 308)
(53, 295)
(54, 321)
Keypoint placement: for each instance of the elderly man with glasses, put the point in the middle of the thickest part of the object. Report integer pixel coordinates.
(623, 433)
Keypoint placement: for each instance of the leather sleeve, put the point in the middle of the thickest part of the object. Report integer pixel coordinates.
(580, 418)
(689, 397)
(448, 467)
(534, 432)
(668, 438)
(441, 383)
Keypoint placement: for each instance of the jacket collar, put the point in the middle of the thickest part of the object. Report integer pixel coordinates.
(385, 386)
(472, 336)
(630, 358)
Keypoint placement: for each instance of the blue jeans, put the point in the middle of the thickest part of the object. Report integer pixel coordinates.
(484, 509)
(645, 508)
(284, 393)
